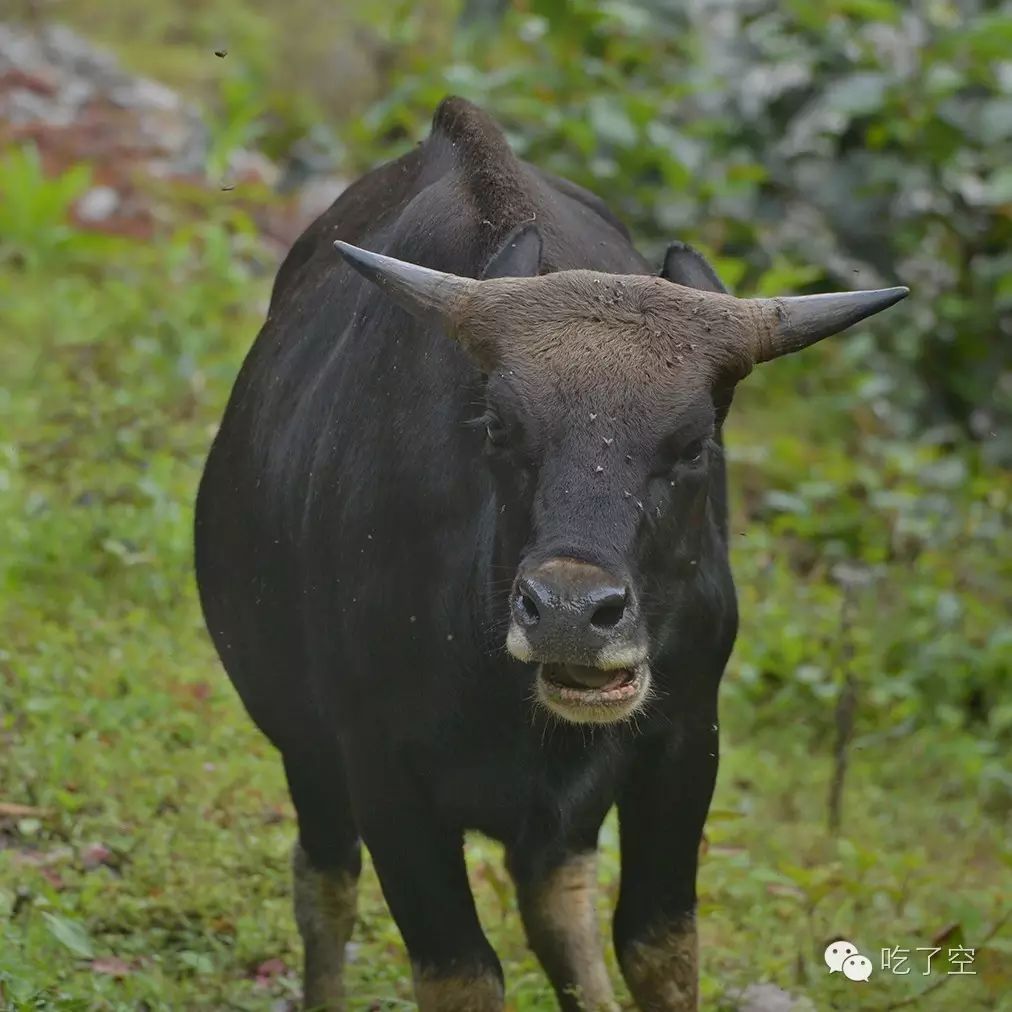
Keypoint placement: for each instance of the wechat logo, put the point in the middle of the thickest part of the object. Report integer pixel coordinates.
(842, 956)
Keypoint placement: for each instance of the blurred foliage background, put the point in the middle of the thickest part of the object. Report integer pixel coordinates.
(867, 789)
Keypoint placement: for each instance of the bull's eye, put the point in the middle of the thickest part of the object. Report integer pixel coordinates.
(495, 432)
(693, 453)
(675, 457)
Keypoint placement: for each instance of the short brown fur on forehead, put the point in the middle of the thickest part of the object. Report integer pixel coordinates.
(621, 330)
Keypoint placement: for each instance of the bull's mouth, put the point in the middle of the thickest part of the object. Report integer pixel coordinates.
(586, 695)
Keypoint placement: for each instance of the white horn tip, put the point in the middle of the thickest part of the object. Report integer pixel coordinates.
(897, 293)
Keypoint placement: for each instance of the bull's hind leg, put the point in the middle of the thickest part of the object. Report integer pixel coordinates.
(325, 863)
(559, 911)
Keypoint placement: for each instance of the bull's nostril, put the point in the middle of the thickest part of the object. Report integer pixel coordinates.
(609, 612)
(527, 608)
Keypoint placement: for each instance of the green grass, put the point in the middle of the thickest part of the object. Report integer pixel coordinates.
(150, 867)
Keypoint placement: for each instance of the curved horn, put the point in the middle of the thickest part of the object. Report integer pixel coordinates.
(796, 322)
(425, 293)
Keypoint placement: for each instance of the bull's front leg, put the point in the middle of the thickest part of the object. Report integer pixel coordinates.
(559, 910)
(662, 809)
(420, 864)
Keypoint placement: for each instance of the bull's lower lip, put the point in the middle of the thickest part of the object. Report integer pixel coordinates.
(610, 695)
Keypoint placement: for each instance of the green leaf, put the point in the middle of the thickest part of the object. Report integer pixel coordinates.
(71, 935)
(858, 94)
(998, 189)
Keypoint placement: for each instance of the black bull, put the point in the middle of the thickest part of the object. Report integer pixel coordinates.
(461, 545)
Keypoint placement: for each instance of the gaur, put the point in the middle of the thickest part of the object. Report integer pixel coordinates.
(461, 544)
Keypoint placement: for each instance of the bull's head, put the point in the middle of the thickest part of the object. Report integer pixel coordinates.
(604, 394)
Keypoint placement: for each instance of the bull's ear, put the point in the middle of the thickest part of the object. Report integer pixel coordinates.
(518, 257)
(686, 266)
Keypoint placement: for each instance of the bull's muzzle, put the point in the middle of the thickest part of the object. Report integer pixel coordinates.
(583, 626)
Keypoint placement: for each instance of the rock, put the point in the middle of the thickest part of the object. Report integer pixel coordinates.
(768, 997)
(251, 166)
(97, 204)
(75, 103)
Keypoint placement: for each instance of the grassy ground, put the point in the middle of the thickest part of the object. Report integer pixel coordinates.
(144, 826)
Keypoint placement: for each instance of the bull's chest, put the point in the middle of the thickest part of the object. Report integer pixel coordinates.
(528, 792)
